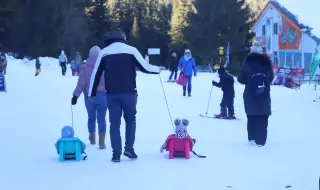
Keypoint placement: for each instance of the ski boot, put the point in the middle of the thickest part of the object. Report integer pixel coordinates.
(220, 116)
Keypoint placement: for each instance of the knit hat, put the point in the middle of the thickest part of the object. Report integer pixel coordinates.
(67, 132)
(256, 48)
(221, 70)
(94, 51)
(181, 128)
(174, 54)
(187, 51)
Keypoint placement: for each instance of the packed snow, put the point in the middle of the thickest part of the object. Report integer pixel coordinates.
(34, 110)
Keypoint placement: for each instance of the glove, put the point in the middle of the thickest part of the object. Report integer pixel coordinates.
(214, 83)
(92, 99)
(74, 100)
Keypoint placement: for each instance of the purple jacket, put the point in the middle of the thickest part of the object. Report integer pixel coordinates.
(85, 76)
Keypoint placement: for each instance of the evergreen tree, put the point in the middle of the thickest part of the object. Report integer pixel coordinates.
(179, 22)
(99, 14)
(135, 33)
(216, 23)
(257, 6)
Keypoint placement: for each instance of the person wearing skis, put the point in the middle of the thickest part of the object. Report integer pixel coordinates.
(173, 67)
(187, 66)
(38, 67)
(96, 109)
(118, 61)
(3, 63)
(257, 75)
(226, 84)
(63, 62)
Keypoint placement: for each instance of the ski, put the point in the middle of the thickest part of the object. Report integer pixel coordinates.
(214, 117)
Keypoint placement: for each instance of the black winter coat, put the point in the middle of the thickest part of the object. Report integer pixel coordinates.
(38, 65)
(173, 64)
(255, 106)
(226, 84)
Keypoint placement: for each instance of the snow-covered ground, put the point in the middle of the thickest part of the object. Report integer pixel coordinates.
(34, 110)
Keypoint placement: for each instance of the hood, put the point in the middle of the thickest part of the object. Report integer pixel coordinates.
(91, 61)
(94, 51)
(181, 128)
(257, 58)
(67, 132)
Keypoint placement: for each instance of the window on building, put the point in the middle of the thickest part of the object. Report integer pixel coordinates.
(275, 28)
(264, 30)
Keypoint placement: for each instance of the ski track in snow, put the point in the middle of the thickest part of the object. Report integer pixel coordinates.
(34, 110)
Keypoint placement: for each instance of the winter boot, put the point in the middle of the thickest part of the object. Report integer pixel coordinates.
(102, 144)
(189, 94)
(130, 154)
(115, 158)
(92, 138)
(184, 93)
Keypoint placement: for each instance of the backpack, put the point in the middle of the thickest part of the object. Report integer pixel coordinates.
(260, 85)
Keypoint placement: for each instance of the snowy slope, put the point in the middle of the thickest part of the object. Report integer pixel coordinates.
(36, 108)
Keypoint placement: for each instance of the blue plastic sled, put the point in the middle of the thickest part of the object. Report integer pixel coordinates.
(70, 149)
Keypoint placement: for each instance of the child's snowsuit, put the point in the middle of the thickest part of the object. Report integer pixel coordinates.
(180, 132)
(68, 132)
(38, 67)
(226, 84)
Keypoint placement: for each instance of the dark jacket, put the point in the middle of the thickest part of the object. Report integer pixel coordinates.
(118, 62)
(38, 65)
(173, 64)
(226, 84)
(256, 106)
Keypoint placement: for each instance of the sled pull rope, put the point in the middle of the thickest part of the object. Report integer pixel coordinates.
(71, 116)
(165, 98)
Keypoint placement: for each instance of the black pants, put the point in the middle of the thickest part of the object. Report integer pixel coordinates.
(63, 68)
(257, 127)
(227, 102)
(118, 104)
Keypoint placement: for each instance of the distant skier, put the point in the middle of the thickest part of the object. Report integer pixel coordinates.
(226, 84)
(173, 67)
(257, 75)
(63, 62)
(3, 63)
(38, 67)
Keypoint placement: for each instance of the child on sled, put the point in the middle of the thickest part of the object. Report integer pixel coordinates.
(180, 132)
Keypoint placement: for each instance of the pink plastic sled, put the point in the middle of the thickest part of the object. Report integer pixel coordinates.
(182, 80)
(179, 147)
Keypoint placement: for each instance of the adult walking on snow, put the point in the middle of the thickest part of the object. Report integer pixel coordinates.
(173, 67)
(188, 66)
(63, 62)
(257, 75)
(118, 61)
(78, 63)
(97, 108)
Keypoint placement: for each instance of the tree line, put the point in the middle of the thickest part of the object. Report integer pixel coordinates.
(43, 28)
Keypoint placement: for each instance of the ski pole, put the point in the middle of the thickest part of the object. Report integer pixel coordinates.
(209, 100)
